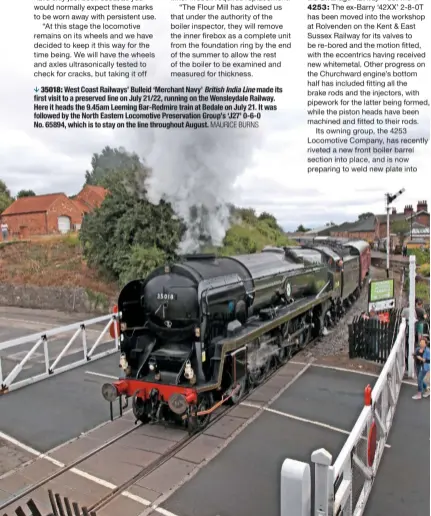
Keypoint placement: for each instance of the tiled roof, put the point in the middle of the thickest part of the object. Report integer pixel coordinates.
(322, 229)
(81, 205)
(393, 217)
(364, 225)
(345, 226)
(422, 212)
(35, 204)
(358, 226)
(99, 190)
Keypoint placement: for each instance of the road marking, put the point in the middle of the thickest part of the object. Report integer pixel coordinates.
(162, 499)
(102, 375)
(81, 473)
(346, 370)
(301, 419)
(28, 449)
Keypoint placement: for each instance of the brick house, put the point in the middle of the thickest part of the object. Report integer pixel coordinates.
(91, 196)
(364, 229)
(51, 213)
(374, 228)
(409, 215)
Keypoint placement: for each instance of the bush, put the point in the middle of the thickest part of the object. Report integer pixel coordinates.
(422, 256)
(423, 292)
(424, 270)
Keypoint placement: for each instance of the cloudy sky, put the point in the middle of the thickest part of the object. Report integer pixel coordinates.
(270, 173)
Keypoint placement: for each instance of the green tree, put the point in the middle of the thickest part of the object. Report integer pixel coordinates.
(253, 234)
(25, 193)
(302, 229)
(5, 197)
(365, 215)
(400, 228)
(269, 219)
(111, 161)
(247, 215)
(127, 228)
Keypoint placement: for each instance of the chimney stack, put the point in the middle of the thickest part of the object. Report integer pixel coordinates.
(394, 211)
(408, 210)
(422, 206)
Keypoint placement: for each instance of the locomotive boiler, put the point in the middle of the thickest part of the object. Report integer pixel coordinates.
(198, 333)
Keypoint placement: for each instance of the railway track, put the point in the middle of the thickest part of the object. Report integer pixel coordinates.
(154, 465)
(150, 468)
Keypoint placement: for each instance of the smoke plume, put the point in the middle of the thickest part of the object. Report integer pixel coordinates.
(196, 169)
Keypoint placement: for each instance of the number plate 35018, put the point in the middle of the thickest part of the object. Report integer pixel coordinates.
(165, 296)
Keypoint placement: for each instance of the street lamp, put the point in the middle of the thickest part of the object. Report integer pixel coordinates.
(389, 200)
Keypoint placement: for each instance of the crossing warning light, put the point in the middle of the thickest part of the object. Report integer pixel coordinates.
(372, 443)
(112, 327)
(367, 395)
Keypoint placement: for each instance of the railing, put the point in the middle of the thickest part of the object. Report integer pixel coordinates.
(372, 339)
(342, 489)
(47, 342)
(59, 508)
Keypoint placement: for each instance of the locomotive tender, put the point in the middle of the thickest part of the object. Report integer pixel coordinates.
(199, 333)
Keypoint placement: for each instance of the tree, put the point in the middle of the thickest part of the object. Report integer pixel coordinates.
(401, 229)
(270, 220)
(302, 229)
(5, 197)
(247, 215)
(25, 193)
(109, 162)
(365, 215)
(127, 235)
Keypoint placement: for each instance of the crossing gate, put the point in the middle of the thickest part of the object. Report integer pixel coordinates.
(81, 341)
(59, 507)
(342, 488)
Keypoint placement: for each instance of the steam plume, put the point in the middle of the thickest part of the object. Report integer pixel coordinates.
(196, 169)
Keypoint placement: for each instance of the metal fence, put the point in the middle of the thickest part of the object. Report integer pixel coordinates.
(59, 507)
(38, 356)
(372, 339)
(343, 488)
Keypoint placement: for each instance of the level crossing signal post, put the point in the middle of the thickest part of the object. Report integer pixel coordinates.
(389, 200)
(412, 314)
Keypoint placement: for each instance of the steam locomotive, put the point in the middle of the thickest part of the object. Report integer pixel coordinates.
(201, 332)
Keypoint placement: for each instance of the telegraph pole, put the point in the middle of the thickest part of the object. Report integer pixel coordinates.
(389, 200)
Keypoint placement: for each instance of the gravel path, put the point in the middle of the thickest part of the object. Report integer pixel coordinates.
(333, 349)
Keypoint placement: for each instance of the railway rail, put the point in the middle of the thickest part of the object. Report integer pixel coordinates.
(220, 412)
(147, 470)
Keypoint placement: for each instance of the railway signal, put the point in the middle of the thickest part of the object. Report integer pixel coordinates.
(389, 200)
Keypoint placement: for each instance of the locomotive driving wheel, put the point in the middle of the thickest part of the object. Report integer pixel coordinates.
(140, 409)
(198, 423)
(239, 391)
(258, 365)
(284, 353)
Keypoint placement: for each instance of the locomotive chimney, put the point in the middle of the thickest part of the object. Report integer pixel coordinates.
(422, 206)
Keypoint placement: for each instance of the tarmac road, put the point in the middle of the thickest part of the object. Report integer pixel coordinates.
(19, 322)
(70, 401)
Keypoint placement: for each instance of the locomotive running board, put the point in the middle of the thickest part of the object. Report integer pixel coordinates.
(259, 327)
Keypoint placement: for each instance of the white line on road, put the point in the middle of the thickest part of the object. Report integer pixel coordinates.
(301, 419)
(83, 474)
(102, 375)
(347, 370)
(165, 496)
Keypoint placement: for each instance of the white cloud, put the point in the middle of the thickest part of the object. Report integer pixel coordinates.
(276, 180)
